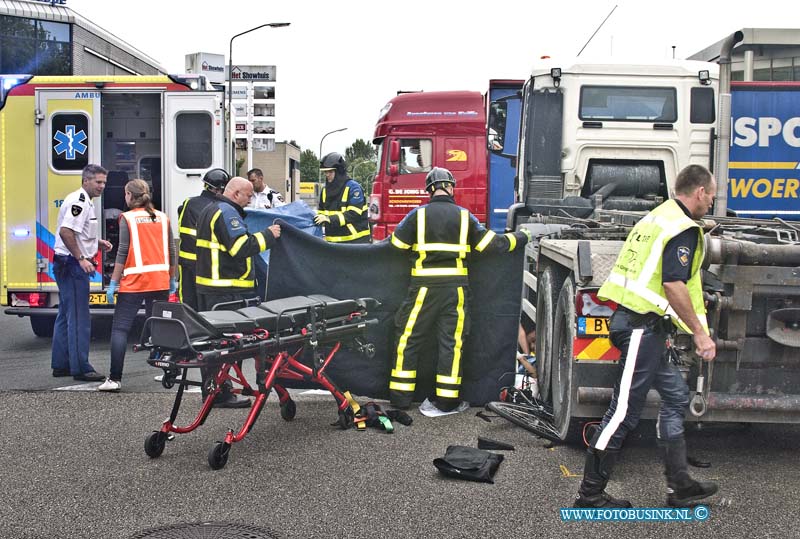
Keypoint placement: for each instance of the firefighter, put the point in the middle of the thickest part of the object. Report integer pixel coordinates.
(656, 283)
(225, 250)
(342, 206)
(214, 183)
(440, 238)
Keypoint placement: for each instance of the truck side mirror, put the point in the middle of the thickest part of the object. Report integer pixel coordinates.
(394, 152)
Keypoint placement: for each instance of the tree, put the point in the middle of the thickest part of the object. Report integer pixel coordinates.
(309, 166)
(361, 159)
(360, 150)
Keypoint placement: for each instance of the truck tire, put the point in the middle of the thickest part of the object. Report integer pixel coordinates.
(562, 363)
(42, 326)
(547, 290)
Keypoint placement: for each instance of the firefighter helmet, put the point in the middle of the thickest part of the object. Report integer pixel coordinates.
(333, 161)
(438, 176)
(216, 178)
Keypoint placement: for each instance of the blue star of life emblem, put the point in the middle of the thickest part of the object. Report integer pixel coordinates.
(70, 142)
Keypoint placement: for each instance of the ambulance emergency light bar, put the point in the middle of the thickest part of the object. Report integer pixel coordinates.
(9, 81)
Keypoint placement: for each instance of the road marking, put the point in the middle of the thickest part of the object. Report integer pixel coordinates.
(90, 386)
(565, 471)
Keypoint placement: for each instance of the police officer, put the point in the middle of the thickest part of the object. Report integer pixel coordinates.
(439, 237)
(214, 183)
(656, 283)
(225, 251)
(342, 206)
(264, 196)
(74, 263)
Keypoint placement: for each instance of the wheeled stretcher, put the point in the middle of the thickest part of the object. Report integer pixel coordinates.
(276, 334)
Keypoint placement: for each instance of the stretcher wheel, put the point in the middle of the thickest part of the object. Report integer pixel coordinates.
(218, 455)
(288, 410)
(154, 444)
(346, 418)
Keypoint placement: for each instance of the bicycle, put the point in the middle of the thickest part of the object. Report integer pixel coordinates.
(520, 407)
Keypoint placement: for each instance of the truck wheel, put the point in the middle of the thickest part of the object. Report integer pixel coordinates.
(563, 360)
(42, 326)
(546, 296)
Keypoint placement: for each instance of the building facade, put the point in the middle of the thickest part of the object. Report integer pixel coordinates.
(48, 38)
(281, 168)
(765, 54)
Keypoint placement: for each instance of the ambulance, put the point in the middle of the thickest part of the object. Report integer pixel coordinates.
(167, 130)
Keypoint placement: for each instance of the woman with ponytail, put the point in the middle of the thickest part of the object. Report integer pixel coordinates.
(144, 270)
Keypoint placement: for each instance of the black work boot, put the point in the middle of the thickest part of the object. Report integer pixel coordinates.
(682, 490)
(596, 473)
(225, 398)
(228, 399)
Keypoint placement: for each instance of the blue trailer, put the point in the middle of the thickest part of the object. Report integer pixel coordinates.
(763, 172)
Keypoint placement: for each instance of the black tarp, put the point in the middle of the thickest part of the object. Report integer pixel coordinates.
(301, 264)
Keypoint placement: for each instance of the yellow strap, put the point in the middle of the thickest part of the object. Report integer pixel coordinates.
(187, 256)
(401, 344)
(240, 241)
(447, 393)
(404, 374)
(361, 422)
(512, 241)
(187, 230)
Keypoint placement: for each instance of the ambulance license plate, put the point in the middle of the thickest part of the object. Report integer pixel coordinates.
(98, 298)
(593, 326)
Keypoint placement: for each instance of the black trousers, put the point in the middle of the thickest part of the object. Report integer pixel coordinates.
(643, 364)
(439, 310)
(188, 290)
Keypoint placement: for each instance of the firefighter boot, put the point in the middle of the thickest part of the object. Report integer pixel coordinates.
(682, 490)
(596, 473)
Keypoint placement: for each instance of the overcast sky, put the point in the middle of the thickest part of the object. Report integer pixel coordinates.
(340, 61)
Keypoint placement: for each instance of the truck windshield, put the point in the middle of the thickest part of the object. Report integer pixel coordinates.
(628, 104)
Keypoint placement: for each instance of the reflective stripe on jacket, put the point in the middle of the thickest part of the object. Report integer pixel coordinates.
(188, 215)
(147, 265)
(439, 236)
(635, 280)
(225, 248)
(349, 215)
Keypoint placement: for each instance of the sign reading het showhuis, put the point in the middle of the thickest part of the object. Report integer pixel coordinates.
(764, 178)
(252, 73)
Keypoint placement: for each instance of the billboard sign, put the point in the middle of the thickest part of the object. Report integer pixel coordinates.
(253, 73)
(208, 64)
(764, 166)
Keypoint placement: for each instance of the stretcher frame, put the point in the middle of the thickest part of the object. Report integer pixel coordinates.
(174, 347)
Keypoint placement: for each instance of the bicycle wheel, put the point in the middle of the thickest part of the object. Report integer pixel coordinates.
(524, 398)
(525, 417)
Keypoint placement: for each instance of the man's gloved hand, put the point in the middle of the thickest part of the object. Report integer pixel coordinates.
(112, 287)
(173, 286)
(320, 219)
(527, 233)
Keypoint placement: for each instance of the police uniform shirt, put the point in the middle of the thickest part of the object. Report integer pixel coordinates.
(266, 199)
(77, 214)
(676, 263)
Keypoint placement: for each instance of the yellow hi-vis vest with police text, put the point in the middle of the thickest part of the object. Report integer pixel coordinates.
(635, 279)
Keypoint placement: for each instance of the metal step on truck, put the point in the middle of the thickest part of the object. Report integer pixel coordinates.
(600, 145)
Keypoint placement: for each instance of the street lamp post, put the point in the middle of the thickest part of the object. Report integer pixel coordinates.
(231, 124)
(320, 146)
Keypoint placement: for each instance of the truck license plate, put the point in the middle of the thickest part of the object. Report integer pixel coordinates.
(98, 299)
(593, 326)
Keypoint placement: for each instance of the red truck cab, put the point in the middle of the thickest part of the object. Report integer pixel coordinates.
(416, 132)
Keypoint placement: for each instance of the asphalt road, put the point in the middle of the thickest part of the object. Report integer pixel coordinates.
(73, 466)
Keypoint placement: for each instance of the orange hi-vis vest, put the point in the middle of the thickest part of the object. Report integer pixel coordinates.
(147, 265)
